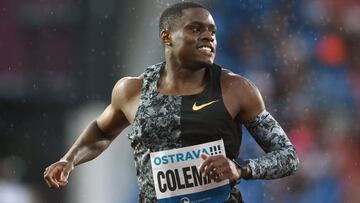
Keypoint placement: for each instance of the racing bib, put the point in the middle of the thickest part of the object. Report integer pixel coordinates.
(177, 178)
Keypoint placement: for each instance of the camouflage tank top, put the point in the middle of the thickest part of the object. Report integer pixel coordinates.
(165, 122)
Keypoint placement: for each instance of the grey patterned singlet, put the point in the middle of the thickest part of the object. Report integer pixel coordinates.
(165, 122)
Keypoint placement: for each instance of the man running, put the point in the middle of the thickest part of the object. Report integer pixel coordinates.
(185, 101)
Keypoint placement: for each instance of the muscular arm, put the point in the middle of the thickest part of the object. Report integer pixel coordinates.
(99, 134)
(248, 108)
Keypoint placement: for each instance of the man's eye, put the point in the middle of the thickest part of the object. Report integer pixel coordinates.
(195, 29)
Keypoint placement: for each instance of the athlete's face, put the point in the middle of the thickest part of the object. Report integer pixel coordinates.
(193, 40)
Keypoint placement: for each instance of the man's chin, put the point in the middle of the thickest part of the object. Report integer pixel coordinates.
(199, 63)
(207, 64)
(204, 63)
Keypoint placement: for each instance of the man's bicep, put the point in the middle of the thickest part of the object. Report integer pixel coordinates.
(251, 102)
(112, 121)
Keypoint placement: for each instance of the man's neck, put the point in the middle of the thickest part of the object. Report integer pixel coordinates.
(176, 79)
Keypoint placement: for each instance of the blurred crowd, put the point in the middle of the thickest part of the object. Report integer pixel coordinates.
(302, 55)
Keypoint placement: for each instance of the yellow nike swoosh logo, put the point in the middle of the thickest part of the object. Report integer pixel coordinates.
(197, 108)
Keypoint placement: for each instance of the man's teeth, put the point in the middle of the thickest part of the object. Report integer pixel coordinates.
(207, 49)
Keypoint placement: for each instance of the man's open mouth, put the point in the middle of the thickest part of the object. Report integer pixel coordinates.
(206, 49)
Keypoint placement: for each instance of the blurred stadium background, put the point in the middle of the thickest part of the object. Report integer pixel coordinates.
(59, 60)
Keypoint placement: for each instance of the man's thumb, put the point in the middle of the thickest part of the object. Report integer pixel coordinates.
(204, 156)
(64, 176)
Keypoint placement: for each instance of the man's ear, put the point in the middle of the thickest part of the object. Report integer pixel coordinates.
(165, 37)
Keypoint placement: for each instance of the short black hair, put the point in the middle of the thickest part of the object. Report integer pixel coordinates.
(174, 12)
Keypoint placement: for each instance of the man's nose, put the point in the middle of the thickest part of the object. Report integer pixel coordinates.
(208, 36)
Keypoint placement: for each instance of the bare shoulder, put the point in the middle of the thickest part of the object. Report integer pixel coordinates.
(241, 95)
(126, 89)
(236, 83)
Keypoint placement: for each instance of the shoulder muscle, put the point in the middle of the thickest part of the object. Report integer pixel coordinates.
(125, 90)
(242, 94)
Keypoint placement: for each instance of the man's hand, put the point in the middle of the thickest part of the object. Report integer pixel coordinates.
(219, 168)
(56, 175)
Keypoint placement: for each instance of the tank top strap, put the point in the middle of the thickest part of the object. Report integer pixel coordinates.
(213, 88)
(151, 76)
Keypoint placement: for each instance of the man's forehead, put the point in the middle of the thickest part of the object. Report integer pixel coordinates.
(198, 15)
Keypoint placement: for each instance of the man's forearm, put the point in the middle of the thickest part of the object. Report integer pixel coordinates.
(90, 144)
(281, 158)
(275, 164)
